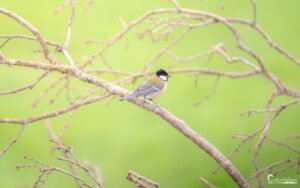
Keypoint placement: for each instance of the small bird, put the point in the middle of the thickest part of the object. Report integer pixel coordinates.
(151, 88)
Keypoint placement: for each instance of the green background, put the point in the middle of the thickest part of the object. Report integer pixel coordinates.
(120, 136)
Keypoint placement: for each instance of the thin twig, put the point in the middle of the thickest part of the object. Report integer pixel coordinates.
(12, 142)
(140, 181)
(206, 183)
(30, 86)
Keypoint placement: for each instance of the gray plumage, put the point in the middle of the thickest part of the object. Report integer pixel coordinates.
(145, 90)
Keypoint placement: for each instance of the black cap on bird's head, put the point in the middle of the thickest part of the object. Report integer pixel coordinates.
(162, 74)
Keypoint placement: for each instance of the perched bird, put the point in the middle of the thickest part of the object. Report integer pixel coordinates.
(151, 88)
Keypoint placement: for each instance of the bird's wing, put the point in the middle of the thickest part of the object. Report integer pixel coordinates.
(146, 89)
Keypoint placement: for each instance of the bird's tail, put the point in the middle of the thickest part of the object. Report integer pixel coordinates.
(127, 97)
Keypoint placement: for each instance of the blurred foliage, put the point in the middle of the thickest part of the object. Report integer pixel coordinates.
(120, 136)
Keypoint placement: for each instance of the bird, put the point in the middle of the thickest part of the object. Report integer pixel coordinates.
(152, 88)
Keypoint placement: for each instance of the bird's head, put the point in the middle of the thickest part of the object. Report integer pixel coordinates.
(162, 74)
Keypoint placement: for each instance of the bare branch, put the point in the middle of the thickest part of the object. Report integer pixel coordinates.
(117, 90)
(11, 143)
(34, 31)
(283, 144)
(268, 168)
(69, 108)
(83, 168)
(140, 181)
(253, 2)
(206, 183)
(28, 38)
(164, 50)
(30, 86)
(213, 89)
(297, 136)
(177, 5)
(267, 38)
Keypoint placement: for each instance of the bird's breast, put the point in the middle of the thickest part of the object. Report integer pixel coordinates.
(159, 93)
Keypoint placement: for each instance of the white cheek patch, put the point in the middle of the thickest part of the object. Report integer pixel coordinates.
(163, 77)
